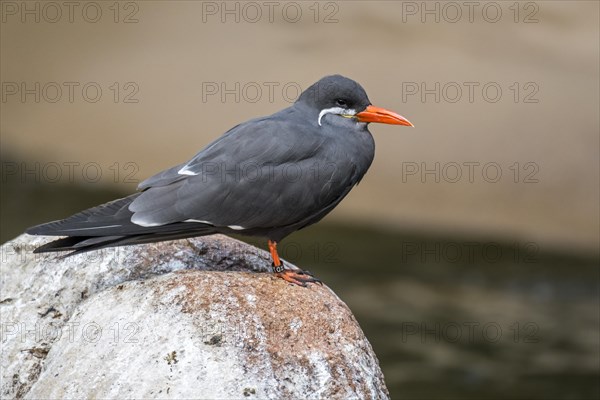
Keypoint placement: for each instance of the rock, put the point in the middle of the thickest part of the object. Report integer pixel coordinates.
(181, 319)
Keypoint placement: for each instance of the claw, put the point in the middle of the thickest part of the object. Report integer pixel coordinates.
(299, 278)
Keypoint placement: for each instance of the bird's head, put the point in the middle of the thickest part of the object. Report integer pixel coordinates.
(344, 97)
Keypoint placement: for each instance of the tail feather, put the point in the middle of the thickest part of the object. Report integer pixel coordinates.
(81, 244)
(106, 219)
(63, 244)
(110, 225)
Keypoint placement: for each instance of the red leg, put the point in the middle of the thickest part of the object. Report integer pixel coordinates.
(299, 278)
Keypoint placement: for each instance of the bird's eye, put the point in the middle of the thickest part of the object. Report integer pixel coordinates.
(341, 102)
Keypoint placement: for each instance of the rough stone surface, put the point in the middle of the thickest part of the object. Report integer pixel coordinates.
(188, 318)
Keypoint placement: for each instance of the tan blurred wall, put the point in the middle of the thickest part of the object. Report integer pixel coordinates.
(176, 50)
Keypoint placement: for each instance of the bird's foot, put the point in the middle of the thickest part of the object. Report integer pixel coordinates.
(299, 277)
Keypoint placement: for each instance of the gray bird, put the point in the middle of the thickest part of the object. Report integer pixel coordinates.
(266, 177)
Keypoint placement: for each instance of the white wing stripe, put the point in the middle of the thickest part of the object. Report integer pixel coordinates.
(186, 171)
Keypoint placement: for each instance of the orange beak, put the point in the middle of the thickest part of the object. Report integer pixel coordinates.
(383, 116)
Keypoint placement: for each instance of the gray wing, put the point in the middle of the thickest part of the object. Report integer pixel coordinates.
(260, 174)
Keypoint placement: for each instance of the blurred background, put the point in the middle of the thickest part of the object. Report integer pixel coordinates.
(469, 253)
